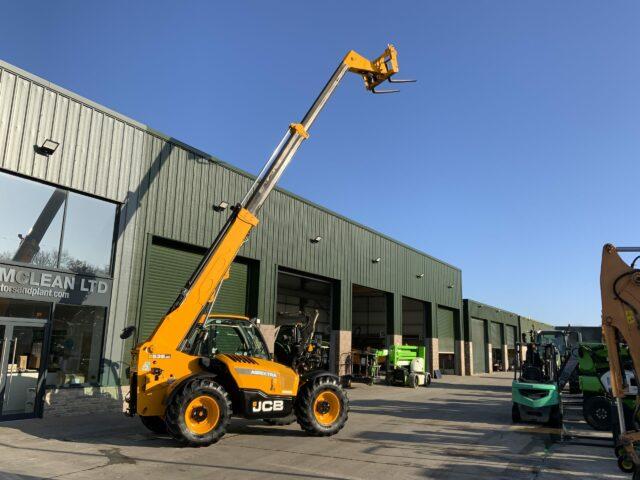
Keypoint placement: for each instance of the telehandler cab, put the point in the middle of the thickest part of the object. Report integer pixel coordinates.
(197, 368)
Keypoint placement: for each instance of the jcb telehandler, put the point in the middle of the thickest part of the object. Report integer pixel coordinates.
(197, 368)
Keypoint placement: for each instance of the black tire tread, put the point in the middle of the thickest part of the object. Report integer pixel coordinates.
(555, 417)
(588, 406)
(304, 406)
(174, 413)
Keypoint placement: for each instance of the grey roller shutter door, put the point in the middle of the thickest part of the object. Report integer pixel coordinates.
(479, 348)
(446, 333)
(496, 335)
(167, 270)
(510, 334)
(233, 294)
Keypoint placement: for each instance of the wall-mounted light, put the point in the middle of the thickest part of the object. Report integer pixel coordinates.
(317, 239)
(376, 260)
(48, 147)
(419, 275)
(221, 207)
(451, 285)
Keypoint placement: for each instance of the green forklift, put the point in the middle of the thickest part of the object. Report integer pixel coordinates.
(543, 367)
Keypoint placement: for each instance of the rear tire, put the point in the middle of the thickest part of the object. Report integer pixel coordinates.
(154, 423)
(288, 420)
(597, 413)
(413, 380)
(427, 380)
(322, 407)
(198, 416)
(626, 465)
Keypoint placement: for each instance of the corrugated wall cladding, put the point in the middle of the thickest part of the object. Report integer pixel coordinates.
(493, 314)
(168, 189)
(473, 309)
(527, 324)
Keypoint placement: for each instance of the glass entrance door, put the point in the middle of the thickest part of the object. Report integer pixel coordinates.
(21, 365)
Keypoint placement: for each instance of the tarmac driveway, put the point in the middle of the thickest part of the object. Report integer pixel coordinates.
(459, 428)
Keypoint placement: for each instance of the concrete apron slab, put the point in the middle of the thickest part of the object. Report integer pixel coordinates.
(459, 428)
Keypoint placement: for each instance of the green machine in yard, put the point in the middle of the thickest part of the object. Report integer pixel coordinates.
(540, 377)
(595, 384)
(406, 366)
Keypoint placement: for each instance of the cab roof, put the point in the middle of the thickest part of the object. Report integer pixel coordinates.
(230, 317)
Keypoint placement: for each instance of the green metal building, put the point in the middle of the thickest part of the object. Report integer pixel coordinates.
(120, 214)
(490, 336)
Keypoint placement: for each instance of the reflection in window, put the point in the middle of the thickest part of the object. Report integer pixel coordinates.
(76, 345)
(31, 221)
(88, 235)
(13, 308)
(52, 228)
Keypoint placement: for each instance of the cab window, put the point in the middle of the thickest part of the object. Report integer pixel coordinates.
(218, 336)
(226, 339)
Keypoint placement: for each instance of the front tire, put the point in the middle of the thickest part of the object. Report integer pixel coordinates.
(413, 380)
(555, 417)
(198, 416)
(322, 407)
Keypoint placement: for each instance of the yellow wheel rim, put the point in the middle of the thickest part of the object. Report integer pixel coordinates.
(326, 408)
(202, 415)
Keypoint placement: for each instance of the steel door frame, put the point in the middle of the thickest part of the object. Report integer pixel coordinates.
(7, 342)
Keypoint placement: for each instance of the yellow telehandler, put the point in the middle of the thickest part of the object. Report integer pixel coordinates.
(198, 368)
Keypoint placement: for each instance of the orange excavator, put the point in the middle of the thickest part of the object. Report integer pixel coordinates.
(620, 289)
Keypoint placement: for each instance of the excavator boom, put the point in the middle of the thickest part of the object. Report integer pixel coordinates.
(620, 289)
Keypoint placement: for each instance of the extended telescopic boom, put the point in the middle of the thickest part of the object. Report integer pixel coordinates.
(204, 284)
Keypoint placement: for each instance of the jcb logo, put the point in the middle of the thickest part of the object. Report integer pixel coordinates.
(267, 406)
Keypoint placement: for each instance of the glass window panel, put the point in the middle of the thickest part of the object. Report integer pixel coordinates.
(76, 345)
(23, 370)
(31, 224)
(88, 235)
(23, 309)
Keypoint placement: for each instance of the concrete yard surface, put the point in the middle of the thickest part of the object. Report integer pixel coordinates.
(459, 428)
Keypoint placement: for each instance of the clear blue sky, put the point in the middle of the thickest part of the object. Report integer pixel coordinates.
(510, 159)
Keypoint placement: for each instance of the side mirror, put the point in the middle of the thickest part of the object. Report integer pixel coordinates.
(127, 332)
